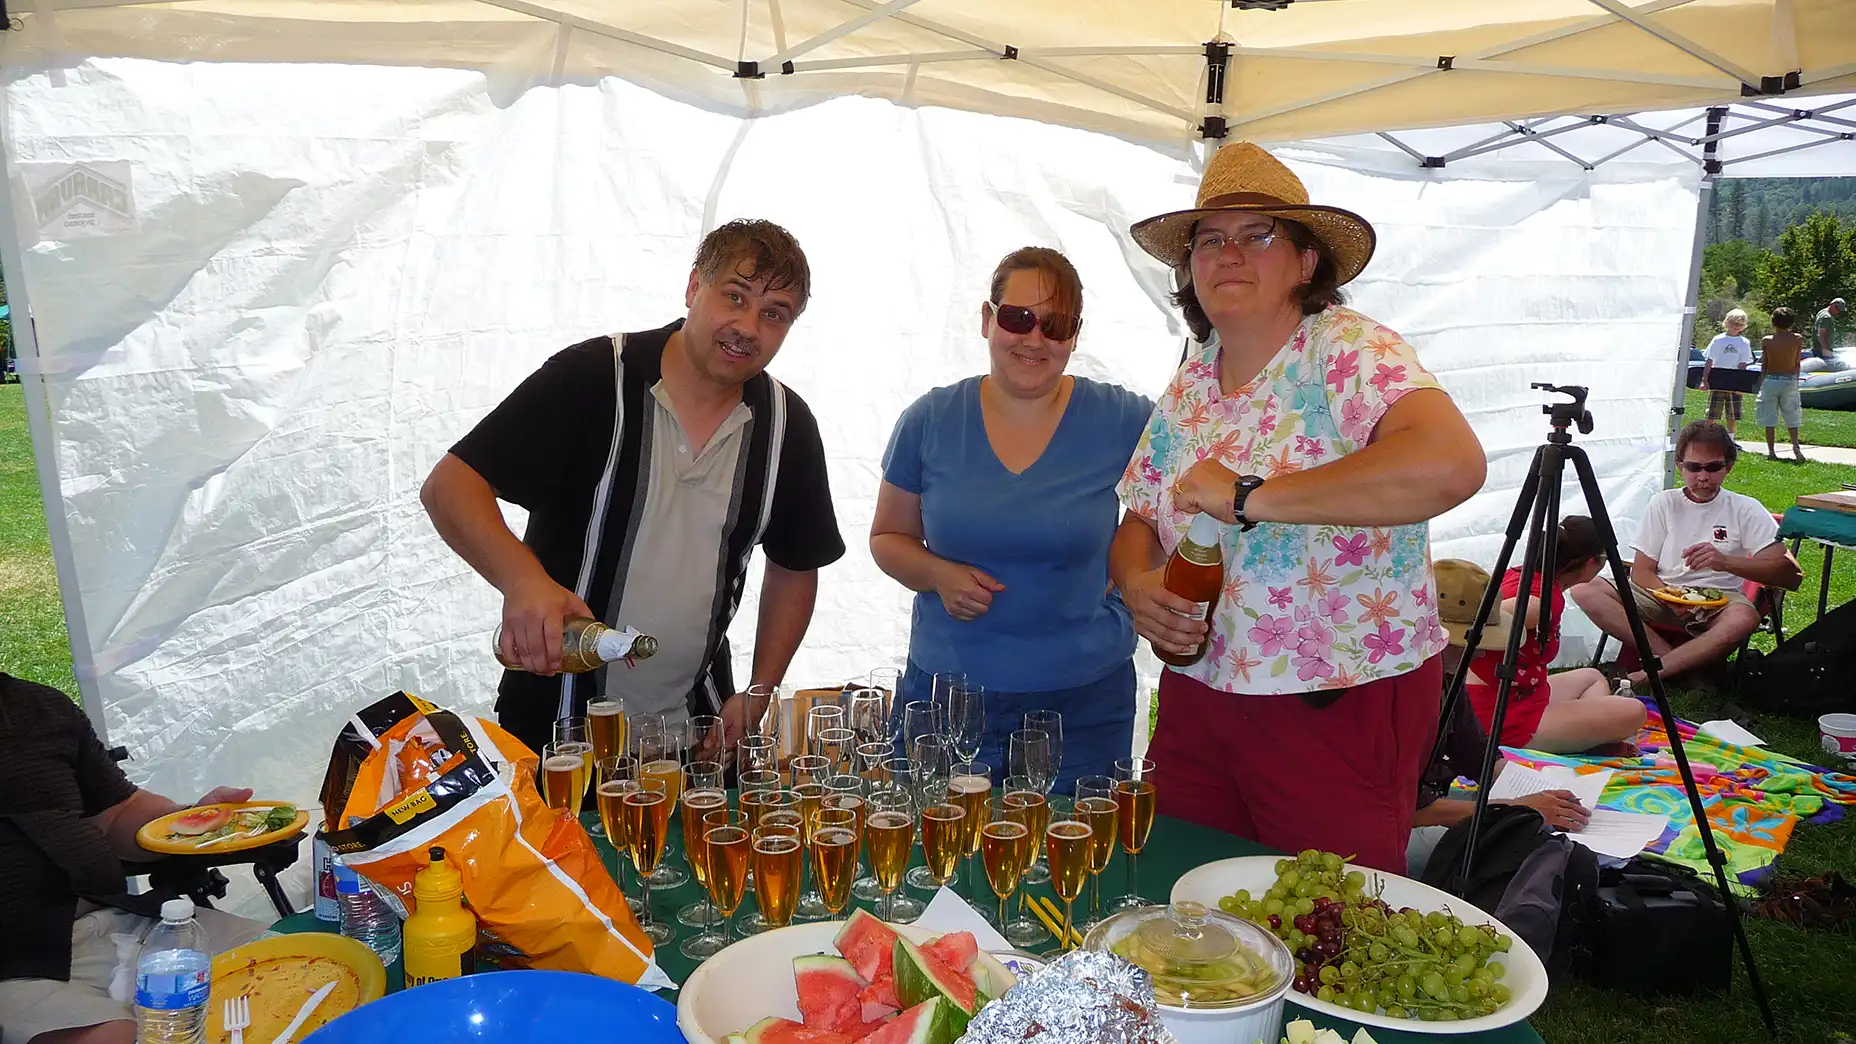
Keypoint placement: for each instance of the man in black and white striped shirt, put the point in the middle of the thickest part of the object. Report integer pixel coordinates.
(651, 464)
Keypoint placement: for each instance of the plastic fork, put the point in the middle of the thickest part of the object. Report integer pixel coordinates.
(237, 1018)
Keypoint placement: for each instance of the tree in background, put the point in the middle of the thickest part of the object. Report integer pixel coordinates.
(1816, 261)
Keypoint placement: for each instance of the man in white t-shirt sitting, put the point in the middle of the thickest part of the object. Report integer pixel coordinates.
(1697, 536)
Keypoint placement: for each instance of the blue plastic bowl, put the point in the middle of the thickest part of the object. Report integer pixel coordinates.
(511, 1007)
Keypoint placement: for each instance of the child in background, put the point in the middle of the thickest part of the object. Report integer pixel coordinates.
(1569, 712)
(1730, 350)
(1778, 388)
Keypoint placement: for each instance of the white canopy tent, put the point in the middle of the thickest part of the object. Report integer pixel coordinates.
(317, 275)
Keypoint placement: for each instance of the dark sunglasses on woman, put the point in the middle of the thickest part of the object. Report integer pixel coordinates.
(1710, 467)
(1020, 320)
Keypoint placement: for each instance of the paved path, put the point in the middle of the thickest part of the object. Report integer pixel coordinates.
(1826, 454)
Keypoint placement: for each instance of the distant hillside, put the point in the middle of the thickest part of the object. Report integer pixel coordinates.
(1759, 209)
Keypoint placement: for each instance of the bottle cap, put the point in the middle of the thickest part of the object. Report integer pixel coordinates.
(1203, 531)
(177, 909)
(439, 881)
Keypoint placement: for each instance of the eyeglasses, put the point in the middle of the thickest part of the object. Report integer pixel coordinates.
(1250, 242)
(1710, 467)
(1020, 320)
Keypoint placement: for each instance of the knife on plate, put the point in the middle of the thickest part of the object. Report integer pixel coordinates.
(303, 1012)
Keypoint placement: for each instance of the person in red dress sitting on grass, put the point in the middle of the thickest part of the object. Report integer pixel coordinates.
(1564, 713)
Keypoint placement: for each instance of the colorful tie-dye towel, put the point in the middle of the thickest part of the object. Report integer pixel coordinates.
(1753, 798)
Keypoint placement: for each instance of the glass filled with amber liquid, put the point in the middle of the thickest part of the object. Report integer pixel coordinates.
(1005, 849)
(1135, 797)
(646, 812)
(1066, 852)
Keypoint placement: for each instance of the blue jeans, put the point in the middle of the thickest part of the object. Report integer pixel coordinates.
(1098, 721)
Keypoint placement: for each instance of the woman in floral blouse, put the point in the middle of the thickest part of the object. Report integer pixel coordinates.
(1325, 447)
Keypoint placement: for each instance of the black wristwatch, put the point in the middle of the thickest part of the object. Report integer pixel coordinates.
(1246, 485)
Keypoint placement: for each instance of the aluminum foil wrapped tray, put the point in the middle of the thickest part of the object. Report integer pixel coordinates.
(1085, 997)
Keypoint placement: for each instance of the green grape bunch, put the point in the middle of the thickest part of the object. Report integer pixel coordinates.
(1354, 950)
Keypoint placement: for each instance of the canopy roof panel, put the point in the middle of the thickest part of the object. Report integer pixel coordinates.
(1282, 69)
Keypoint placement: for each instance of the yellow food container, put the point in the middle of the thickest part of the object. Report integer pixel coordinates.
(441, 936)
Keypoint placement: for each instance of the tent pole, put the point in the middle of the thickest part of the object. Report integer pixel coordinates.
(1678, 396)
(44, 442)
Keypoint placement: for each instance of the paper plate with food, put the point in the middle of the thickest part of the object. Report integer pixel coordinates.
(1691, 597)
(217, 829)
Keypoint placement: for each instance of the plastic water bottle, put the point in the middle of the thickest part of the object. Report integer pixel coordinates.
(173, 977)
(366, 917)
(1624, 687)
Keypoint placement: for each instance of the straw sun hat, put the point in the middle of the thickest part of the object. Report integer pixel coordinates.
(1243, 177)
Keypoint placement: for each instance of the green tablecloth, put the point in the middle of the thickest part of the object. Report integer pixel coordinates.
(1833, 527)
(1175, 847)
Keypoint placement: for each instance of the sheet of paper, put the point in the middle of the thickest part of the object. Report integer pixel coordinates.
(948, 912)
(1620, 834)
(1730, 732)
(1518, 781)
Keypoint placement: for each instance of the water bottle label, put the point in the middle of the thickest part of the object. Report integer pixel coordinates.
(169, 992)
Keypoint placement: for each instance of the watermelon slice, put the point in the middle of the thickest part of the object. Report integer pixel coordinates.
(955, 949)
(920, 976)
(868, 944)
(879, 995)
(991, 977)
(933, 1021)
(200, 821)
(772, 1030)
(828, 994)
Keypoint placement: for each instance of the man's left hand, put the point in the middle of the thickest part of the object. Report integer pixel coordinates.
(1210, 487)
(225, 796)
(1704, 558)
(737, 711)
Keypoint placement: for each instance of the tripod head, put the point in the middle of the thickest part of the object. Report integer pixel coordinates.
(1563, 415)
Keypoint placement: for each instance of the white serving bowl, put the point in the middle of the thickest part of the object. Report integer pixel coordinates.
(753, 979)
(1524, 975)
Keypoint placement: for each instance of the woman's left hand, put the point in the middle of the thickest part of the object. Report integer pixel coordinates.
(1210, 487)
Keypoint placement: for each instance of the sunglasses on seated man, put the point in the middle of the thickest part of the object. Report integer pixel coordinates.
(1710, 467)
(1020, 320)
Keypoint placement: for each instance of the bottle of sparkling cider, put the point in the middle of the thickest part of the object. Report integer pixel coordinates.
(588, 645)
(1195, 572)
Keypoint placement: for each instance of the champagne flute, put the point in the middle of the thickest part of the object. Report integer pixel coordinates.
(646, 811)
(727, 844)
(889, 832)
(929, 763)
(1096, 805)
(918, 719)
(879, 774)
(657, 746)
(1066, 850)
(756, 754)
(1005, 848)
(776, 810)
(702, 794)
(766, 722)
(617, 775)
(702, 739)
(940, 693)
(1025, 803)
(575, 731)
(1051, 723)
(969, 785)
(886, 679)
(778, 860)
(838, 746)
(834, 856)
(1028, 756)
(869, 714)
(943, 830)
(966, 719)
(809, 774)
(605, 718)
(1135, 798)
(564, 774)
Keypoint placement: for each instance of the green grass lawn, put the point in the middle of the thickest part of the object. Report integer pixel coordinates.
(1815, 428)
(1812, 975)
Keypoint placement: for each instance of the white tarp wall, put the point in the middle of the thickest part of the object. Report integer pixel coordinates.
(331, 273)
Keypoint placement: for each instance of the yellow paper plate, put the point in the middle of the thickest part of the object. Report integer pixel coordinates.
(1685, 603)
(153, 835)
(280, 973)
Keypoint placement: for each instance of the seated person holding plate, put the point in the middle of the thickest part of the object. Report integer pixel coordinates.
(1695, 548)
(68, 820)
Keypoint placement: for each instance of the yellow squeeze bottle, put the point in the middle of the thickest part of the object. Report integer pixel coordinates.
(441, 935)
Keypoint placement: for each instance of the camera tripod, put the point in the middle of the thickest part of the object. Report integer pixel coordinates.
(1540, 499)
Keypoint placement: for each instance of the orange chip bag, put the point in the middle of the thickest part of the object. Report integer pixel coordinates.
(531, 874)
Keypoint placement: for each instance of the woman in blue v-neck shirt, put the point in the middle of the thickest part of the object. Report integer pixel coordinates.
(997, 507)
